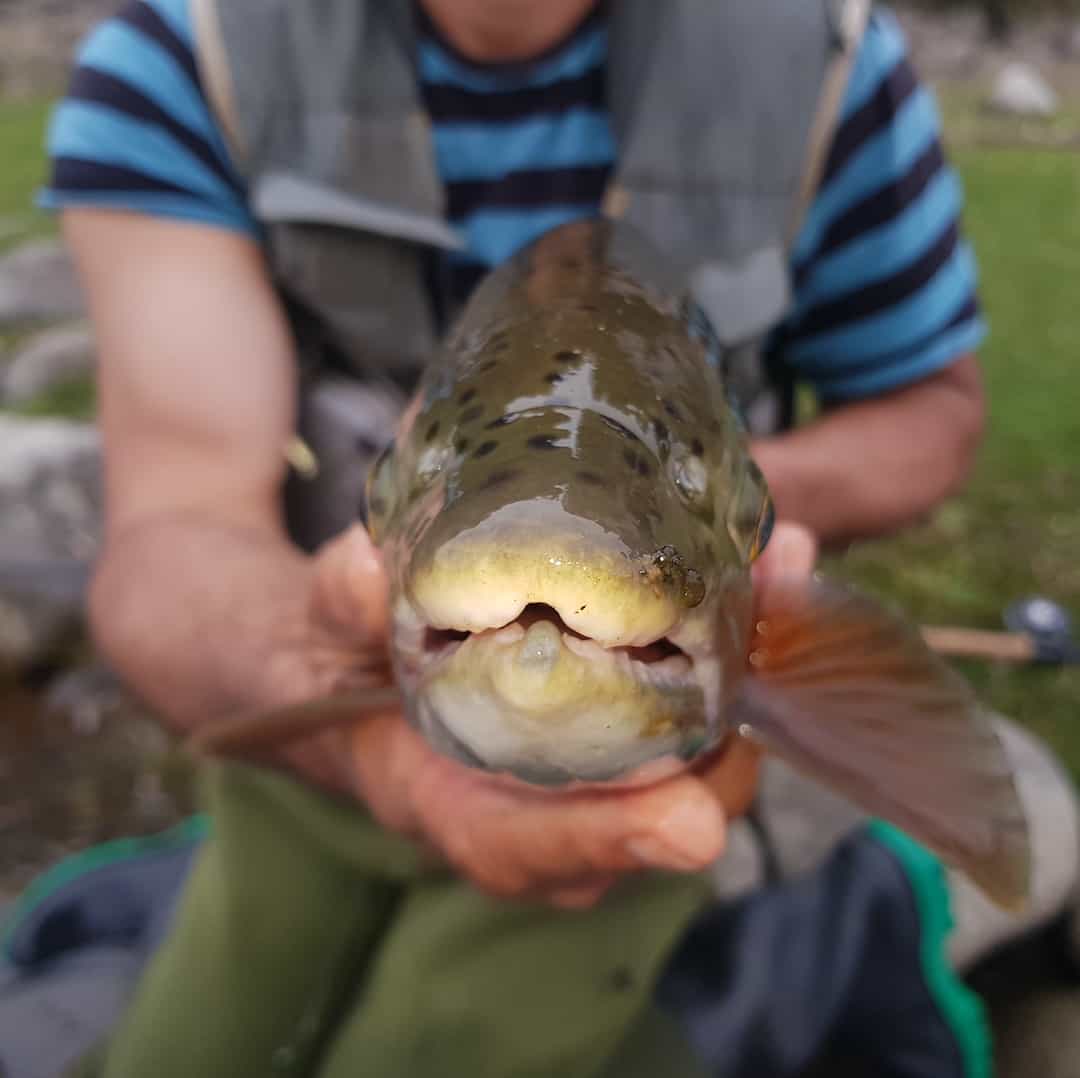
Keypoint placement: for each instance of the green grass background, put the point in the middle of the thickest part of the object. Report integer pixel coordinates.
(1016, 530)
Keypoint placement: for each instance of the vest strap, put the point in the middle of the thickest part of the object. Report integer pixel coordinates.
(211, 59)
(850, 18)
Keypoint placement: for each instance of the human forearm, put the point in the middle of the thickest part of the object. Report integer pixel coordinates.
(872, 467)
(201, 616)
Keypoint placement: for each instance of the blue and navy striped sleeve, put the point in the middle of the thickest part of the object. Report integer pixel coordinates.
(885, 285)
(135, 132)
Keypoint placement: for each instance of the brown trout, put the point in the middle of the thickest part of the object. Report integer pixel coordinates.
(568, 515)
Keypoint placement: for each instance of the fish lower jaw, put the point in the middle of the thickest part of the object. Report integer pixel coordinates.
(536, 700)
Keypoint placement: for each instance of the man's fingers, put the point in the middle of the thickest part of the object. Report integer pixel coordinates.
(351, 589)
(513, 842)
(582, 896)
(792, 551)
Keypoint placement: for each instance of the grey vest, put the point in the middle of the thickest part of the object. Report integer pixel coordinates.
(721, 110)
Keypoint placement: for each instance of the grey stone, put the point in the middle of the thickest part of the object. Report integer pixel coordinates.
(1020, 90)
(37, 283)
(86, 698)
(47, 360)
(50, 489)
(50, 523)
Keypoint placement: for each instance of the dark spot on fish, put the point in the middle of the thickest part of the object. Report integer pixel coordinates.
(431, 431)
(502, 421)
(672, 410)
(581, 608)
(637, 463)
(542, 441)
(377, 505)
(568, 355)
(462, 445)
(697, 448)
(475, 412)
(591, 308)
(485, 448)
(592, 478)
(569, 263)
(365, 445)
(552, 377)
(487, 366)
(622, 979)
(466, 396)
(498, 478)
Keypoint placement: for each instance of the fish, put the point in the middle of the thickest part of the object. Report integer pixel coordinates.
(568, 515)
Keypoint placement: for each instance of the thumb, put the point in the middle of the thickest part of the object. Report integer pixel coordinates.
(351, 590)
(791, 552)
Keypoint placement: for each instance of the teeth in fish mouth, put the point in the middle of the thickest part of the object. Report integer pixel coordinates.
(674, 667)
(542, 634)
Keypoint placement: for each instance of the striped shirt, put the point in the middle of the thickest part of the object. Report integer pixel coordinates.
(884, 281)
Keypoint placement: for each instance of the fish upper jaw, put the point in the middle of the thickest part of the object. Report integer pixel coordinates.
(536, 552)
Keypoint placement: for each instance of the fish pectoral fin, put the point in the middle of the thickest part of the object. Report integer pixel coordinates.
(849, 694)
(249, 734)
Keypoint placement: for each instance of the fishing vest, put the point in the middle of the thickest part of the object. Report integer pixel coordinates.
(722, 113)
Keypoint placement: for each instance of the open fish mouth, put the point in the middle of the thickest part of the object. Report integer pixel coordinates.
(539, 632)
(543, 701)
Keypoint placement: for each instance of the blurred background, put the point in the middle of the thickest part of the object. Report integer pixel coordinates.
(80, 762)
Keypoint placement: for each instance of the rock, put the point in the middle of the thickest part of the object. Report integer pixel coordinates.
(86, 697)
(50, 523)
(37, 283)
(47, 360)
(1020, 90)
(50, 489)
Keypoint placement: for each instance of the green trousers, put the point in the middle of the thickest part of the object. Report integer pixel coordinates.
(311, 942)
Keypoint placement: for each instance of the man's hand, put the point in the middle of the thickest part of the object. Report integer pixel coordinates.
(518, 841)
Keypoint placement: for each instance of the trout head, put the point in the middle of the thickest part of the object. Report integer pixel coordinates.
(568, 515)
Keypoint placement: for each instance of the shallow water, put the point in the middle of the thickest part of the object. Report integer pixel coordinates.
(71, 777)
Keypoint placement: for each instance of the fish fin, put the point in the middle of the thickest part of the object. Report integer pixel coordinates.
(849, 694)
(250, 733)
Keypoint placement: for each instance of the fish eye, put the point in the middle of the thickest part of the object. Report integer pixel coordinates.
(750, 514)
(690, 476)
(430, 462)
(380, 489)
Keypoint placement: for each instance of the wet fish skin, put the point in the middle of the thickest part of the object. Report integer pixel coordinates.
(571, 449)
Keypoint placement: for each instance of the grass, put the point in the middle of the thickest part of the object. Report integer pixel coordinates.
(1016, 530)
(73, 399)
(22, 138)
